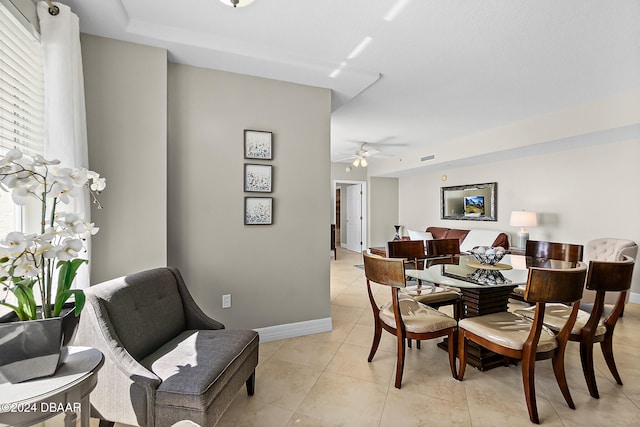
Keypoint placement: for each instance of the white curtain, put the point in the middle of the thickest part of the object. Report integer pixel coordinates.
(65, 121)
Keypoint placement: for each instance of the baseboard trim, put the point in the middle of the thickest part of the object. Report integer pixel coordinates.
(634, 298)
(292, 330)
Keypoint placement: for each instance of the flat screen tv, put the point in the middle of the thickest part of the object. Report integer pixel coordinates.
(474, 206)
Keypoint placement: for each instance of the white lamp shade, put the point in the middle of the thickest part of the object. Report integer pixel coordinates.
(523, 219)
(363, 162)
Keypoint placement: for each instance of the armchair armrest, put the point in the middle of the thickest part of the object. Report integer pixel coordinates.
(194, 316)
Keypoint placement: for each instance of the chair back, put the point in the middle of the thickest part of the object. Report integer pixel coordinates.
(553, 250)
(610, 275)
(609, 249)
(384, 271)
(555, 285)
(443, 247)
(409, 249)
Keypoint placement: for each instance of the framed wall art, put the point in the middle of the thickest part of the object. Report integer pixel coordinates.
(258, 145)
(258, 210)
(257, 178)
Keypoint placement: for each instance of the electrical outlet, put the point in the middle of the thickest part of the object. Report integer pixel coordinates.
(226, 301)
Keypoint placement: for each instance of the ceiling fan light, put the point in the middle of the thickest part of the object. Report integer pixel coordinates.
(237, 3)
(363, 162)
(356, 162)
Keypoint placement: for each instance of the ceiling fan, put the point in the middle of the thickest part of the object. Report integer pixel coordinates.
(361, 155)
(367, 149)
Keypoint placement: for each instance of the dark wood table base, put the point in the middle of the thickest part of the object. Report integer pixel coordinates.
(478, 302)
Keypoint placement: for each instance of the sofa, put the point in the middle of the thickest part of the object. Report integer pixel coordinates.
(164, 359)
(468, 238)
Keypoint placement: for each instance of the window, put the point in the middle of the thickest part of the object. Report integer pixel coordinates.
(21, 98)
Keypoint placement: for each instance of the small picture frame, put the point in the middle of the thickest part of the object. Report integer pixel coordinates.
(257, 178)
(258, 210)
(258, 144)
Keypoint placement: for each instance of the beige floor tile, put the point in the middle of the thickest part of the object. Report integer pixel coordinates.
(409, 409)
(284, 384)
(341, 400)
(246, 411)
(351, 360)
(308, 351)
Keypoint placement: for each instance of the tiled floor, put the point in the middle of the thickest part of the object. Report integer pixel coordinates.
(325, 380)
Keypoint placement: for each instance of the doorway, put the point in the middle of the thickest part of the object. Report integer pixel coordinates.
(350, 214)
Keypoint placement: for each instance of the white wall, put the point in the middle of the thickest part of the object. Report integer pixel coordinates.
(579, 194)
(383, 210)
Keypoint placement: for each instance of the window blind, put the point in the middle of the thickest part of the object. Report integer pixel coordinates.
(21, 87)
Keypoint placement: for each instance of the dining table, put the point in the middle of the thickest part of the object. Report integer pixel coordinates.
(485, 289)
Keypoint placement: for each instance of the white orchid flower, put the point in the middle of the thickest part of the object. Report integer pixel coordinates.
(38, 160)
(14, 244)
(25, 267)
(21, 196)
(69, 249)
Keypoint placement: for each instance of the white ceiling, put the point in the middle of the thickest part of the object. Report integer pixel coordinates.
(441, 70)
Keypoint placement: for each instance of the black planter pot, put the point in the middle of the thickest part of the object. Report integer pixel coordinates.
(31, 349)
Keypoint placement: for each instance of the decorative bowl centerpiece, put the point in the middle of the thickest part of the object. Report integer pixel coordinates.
(488, 255)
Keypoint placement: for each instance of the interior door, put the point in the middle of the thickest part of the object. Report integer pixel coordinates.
(354, 217)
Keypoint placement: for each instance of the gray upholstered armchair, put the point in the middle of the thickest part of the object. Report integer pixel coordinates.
(165, 360)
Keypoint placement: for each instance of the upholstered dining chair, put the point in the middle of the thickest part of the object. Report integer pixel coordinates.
(403, 316)
(607, 249)
(550, 251)
(603, 277)
(517, 337)
(413, 252)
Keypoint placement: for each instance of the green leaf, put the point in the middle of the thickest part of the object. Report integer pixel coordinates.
(26, 305)
(66, 275)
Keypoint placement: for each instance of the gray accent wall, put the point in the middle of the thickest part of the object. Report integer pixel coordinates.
(126, 104)
(276, 274)
(169, 140)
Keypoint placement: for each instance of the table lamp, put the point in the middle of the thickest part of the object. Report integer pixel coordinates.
(523, 219)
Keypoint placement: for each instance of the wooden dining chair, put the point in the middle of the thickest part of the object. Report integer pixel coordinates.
(411, 250)
(549, 251)
(413, 253)
(403, 316)
(554, 250)
(603, 277)
(443, 247)
(517, 337)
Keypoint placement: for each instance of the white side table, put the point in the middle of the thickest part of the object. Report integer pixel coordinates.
(67, 391)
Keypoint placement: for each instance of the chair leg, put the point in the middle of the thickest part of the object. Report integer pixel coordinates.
(400, 362)
(561, 378)
(586, 357)
(528, 381)
(462, 354)
(418, 344)
(607, 351)
(452, 346)
(377, 333)
(251, 384)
